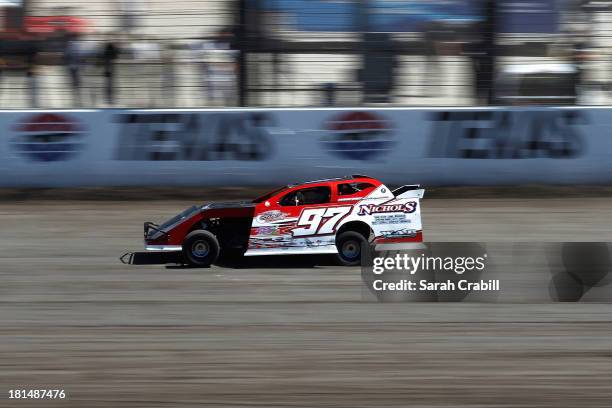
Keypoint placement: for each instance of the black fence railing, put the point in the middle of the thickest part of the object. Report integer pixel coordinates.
(190, 53)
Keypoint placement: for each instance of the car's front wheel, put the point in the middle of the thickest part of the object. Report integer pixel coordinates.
(350, 244)
(201, 248)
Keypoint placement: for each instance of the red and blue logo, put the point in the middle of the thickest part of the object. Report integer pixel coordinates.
(359, 136)
(48, 137)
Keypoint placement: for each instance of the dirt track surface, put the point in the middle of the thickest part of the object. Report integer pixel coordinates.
(279, 335)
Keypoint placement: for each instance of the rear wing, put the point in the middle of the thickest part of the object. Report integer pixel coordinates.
(409, 191)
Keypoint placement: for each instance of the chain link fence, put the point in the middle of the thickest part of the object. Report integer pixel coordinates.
(189, 53)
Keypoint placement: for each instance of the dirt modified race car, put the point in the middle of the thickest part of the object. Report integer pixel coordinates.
(332, 216)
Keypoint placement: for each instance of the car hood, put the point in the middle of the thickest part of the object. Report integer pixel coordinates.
(228, 204)
(215, 209)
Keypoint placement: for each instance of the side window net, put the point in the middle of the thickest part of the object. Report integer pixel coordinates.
(353, 188)
(307, 196)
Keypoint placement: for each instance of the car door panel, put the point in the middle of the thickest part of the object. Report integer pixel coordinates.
(303, 228)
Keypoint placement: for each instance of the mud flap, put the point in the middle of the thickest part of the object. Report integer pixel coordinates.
(151, 258)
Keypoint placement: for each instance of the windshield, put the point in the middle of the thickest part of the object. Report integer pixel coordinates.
(185, 214)
(269, 195)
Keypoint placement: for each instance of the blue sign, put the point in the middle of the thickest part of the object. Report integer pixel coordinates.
(515, 16)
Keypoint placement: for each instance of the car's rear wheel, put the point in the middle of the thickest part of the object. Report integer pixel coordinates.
(201, 248)
(349, 245)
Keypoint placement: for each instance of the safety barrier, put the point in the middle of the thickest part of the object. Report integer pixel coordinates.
(454, 146)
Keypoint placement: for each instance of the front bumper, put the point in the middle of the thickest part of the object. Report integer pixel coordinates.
(155, 239)
(163, 248)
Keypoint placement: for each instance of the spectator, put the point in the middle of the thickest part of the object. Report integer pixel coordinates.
(168, 77)
(31, 73)
(72, 58)
(109, 54)
(433, 36)
(3, 67)
(132, 14)
(218, 68)
(480, 51)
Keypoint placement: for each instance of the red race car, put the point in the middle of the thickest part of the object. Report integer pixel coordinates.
(332, 216)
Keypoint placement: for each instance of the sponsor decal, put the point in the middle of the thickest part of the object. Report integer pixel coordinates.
(287, 243)
(509, 134)
(401, 233)
(286, 229)
(274, 242)
(195, 136)
(271, 216)
(267, 231)
(48, 137)
(369, 209)
(388, 219)
(358, 136)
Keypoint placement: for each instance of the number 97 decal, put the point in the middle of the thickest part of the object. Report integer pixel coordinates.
(320, 221)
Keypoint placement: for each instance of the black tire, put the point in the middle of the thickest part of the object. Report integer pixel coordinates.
(350, 245)
(201, 248)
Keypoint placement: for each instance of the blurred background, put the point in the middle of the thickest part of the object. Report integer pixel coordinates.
(277, 332)
(189, 53)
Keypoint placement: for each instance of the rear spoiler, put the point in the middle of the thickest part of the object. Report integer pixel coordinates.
(409, 191)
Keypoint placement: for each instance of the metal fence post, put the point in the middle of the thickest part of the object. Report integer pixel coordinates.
(242, 42)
